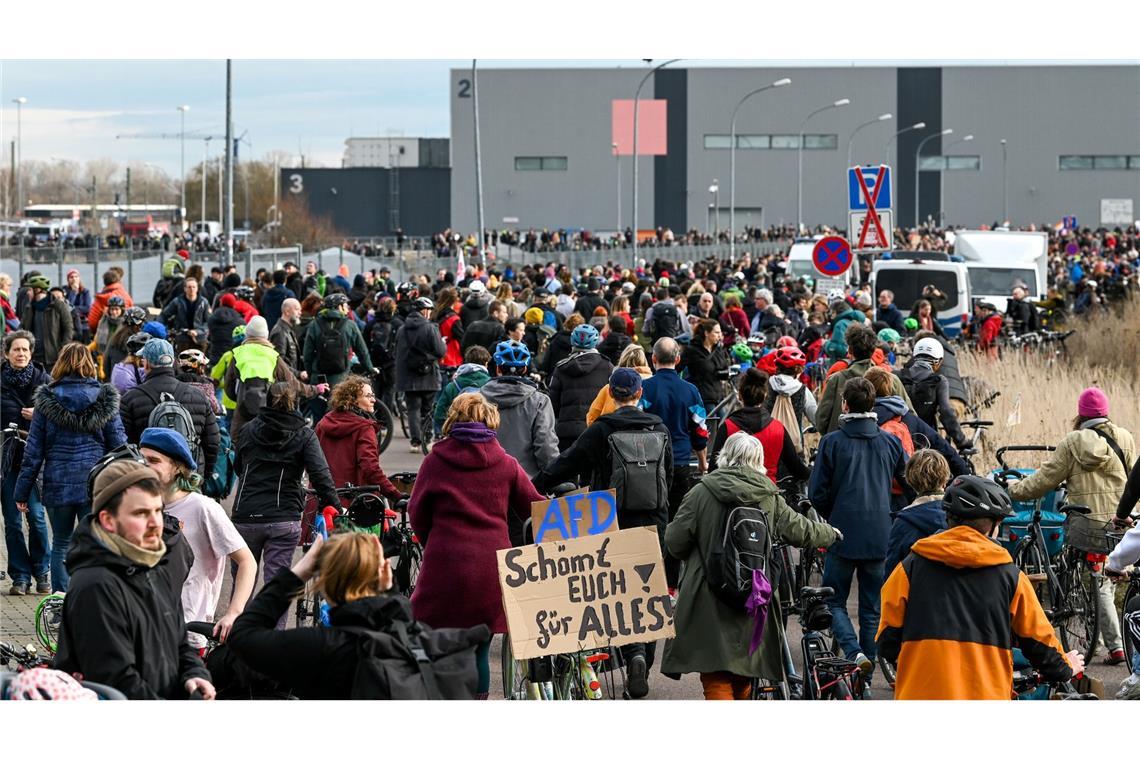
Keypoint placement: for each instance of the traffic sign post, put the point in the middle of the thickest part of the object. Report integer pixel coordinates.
(869, 203)
(832, 257)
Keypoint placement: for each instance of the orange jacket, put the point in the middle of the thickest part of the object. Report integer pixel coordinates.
(99, 304)
(950, 611)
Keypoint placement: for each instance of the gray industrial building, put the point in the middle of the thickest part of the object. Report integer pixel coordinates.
(547, 136)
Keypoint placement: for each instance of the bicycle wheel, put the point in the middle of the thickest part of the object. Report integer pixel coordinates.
(384, 431)
(407, 572)
(49, 616)
(1079, 615)
(402, 411)
(1129, 645)
(515, 682)
(1032, 561)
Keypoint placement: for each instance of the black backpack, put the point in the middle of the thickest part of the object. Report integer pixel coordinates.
(923, 396)
(332, 348)
(413, 661)
(638, 470)
(383, 344)
(743, 545)
(666, 321)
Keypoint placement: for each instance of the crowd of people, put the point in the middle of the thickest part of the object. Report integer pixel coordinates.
(138, 423)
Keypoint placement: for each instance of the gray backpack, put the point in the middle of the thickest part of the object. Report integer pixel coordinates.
(169, 413)
(638, 475)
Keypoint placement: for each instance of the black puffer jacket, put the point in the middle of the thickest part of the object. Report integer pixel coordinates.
(122, 622)
(272, 452)
(573, 386)
(417, 339)
(222, 323)
(707, 371)
(139, 402)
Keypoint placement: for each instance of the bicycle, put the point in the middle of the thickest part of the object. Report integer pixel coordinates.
(1028, 683)
(49, 617)
(400, 541)
(20, 659)
(1133, 590)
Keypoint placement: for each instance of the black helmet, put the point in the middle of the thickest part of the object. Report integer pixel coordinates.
(136, 315)
(137, 341)
(244, 292)
(404, 289)
(335, 300)
(423, 303)
(971, 497)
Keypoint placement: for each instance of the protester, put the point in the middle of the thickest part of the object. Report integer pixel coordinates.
(347, 435)
(47, 318)
(419, 348)
(575, 382)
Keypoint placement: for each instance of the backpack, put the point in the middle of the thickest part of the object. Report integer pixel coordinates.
(221, 481)
(170, 413)
(638, 472)
(383, 345)
(666, 321)
(252, 395)
(784, 411)
(332, 348)
(896, 427)
(924, 396)
(409, 660)
(743, 545)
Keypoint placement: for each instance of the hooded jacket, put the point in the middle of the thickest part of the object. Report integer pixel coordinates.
(221, 330)
(487, 333)
(272, 451)
(49, 319)
(526, 421)
(466, 377)
(139, 402)
(950, 613)
(75, 423)
(803, 401)
(831, 403)
(420, 337)
(850, 484)
(271, 302)
(923, 518)
(1092, 473)
(889, 407)
(99, 305)
(348, 440)
(780, 458)
(917, 373)
(475, 308)
(122, 622)
(710, 636)
(836, 346)
(573, 386)
(558, 349)
(459, 509)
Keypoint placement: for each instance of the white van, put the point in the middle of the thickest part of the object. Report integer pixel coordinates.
(906, 278)
(999, 260)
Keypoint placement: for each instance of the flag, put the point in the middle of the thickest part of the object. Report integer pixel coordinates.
(460, 268)
(697, 414)
(1014, 417)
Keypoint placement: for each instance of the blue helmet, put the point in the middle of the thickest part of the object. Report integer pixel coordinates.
(585, 336)
(511, 353)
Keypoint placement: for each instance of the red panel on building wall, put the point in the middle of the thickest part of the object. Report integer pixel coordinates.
(651, 130)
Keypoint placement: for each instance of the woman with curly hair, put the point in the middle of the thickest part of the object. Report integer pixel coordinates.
(348, 438)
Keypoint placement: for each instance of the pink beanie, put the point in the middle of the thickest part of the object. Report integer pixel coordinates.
(1092, 403)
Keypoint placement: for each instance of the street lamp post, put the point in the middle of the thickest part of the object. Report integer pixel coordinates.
(917, 154)
(800, 160)
(919, 125)
(714, 189)
(732, 166)
(182, 159)
(617, 163)
(19, 156)
(636, 103)
(851, 139)
(1004, 185)
(942, 180)
(205, 170)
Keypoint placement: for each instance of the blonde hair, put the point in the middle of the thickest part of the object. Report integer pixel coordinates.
(633, 356)
(349, 567)
(471, 407)
(74, 359)
(927, 472)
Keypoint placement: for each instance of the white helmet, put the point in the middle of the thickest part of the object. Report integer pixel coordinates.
(929, 347)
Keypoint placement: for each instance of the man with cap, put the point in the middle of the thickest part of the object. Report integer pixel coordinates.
(590, 456)
(477, 304)
(208, 530)
(212, 285)
(591, 300)
(293, 280)
(122, 618)
(137, 403)
(47, 318)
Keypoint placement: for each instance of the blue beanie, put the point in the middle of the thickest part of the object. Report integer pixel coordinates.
(158, 353)
(155, 329)
(584, 336)
(169, 442)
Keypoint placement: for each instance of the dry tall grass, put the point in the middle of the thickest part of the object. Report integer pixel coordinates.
(1105, 352)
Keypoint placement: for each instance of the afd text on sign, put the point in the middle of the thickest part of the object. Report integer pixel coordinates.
(873, 177)
(573, 515)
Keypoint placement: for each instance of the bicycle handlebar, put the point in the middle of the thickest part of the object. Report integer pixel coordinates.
(1000, 453)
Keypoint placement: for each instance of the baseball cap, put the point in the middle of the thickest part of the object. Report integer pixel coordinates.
(625, 383)
(158, 352)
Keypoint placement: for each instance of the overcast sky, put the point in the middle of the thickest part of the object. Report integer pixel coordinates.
(75, 109)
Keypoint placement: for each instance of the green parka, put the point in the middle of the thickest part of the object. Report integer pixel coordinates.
(711, 637)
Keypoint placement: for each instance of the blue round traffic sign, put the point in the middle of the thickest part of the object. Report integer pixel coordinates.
(832, 256)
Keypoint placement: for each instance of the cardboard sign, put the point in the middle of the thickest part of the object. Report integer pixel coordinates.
(585, 593)
(574, 515)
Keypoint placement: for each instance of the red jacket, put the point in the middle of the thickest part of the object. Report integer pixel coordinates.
(738, 319)
(991, 328)
(247, 310)
(99, 303)
(454, 355)
(349, 443)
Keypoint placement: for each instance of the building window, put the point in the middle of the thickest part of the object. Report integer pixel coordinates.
(785, 142)
(1108, 163)
(772, 142)
(963, 163)
(718, 142)
(821, 142)
(540, 163)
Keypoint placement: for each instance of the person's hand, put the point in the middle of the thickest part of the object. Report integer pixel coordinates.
(385, 568)
(1124, 523)
(194, 334)
(304, 375)
(26, 412)
(306, 567)
(838, 533)
(322, 387)
(1076, 661)
(22, 506)
(201, 686)
(223, 627)
(1114, 576)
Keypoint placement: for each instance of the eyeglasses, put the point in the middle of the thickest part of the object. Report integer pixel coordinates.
(367, 396)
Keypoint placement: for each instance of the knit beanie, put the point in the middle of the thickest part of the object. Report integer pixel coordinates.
(116, 478)
(257, 328)
(1092, 403)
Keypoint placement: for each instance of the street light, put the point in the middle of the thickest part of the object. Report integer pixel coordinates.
(800, 160)
(942, 179)
(917, 153)
(182, 157)
(714, 189)
(19, 156)
(617, 162)
(732, 166)
(636, 103)
(851, 139)
(1004, 186)
(919, 125)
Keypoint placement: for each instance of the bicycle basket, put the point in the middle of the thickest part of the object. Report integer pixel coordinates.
(1016, 527)
(1089, 534)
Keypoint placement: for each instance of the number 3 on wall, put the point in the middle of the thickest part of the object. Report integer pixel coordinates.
(298, 184)
(464, 88)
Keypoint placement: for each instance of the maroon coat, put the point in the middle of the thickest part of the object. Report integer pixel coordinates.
(738, 319)
(349, 443)
(459, 505)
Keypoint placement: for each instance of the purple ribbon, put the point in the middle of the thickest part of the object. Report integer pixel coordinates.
(757, 607)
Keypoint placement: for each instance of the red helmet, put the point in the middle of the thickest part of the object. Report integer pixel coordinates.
(788, 357)
(787, 340)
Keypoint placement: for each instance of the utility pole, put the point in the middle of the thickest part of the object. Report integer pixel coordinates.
(478, 165)
(229, 166)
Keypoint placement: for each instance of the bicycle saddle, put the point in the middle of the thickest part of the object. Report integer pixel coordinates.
(201, 628)
(816, 591)
(1079, 509)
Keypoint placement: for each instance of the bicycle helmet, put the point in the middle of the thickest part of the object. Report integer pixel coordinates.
(741, 352)
(39, 282)
(584, 336)
(422, 303)
(116, 301)
(405, 290)
(835, 294)
(192, 357)
(238, 333)
(243, 293)
(887, 335)
(335, 301)
(789, 357)
(911, 324)
(756, 342)
(38, 684)
(970, 497)
(511, 353)
(136, 316)
(137, 341)
(930, 348)
(787, 340)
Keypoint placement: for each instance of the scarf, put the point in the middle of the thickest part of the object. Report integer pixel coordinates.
(858, 416)
(757, 606)
(1086, 425)
(124, 548)
(16, 378)
(471, 432)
